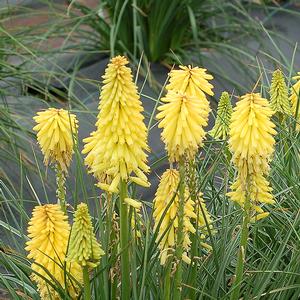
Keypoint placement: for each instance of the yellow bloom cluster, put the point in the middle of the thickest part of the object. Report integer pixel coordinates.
(182, 119)
(165, 215)
(191, 81)
(224, 112)
(252, 143)
(83, 247)
(294, 98)
(185, 111)
(260, 192)
(251, 134)
(279, 94)
(56, 130)
(48, 231)
(117, 148)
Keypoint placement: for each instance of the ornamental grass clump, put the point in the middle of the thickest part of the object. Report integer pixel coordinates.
(222, 122)
(56, 133)
(48, 231)
(294, 98)
(252, 144)
(279, 95)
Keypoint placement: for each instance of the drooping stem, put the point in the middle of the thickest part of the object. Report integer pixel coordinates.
(61, 189)
(86, 282)
(180, 233)
(243, 245)
(124, 243)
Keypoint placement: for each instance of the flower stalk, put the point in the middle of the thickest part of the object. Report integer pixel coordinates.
(167, 280)
(243, 246)
(180, 232)
(86, 282)
(124, 243)
(252, 144)
(194, 236)
(61, 189)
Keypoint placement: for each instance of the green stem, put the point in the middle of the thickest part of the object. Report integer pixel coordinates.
(114, 288)
(124, 243)
(167, 281)
(193, 275)
(114, 254)
(86, 281)
(194, 237)
(106, 243)
(61, 190)
(180, 233)
(243, 246)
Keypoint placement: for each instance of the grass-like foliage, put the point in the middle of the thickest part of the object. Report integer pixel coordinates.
(271, 266)
(164, 30)
(120, 234)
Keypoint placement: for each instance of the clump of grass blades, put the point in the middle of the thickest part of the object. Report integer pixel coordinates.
(159, 29)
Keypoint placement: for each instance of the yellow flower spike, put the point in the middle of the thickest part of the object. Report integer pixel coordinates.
(294, 98)
(279, 94)
(48, 231)
(252, 143)
(55, 133)
(83, 246)
(191, 81)
(166, 215)
(117, 147)
(251, 134)
(224, 112)
(182, 118)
